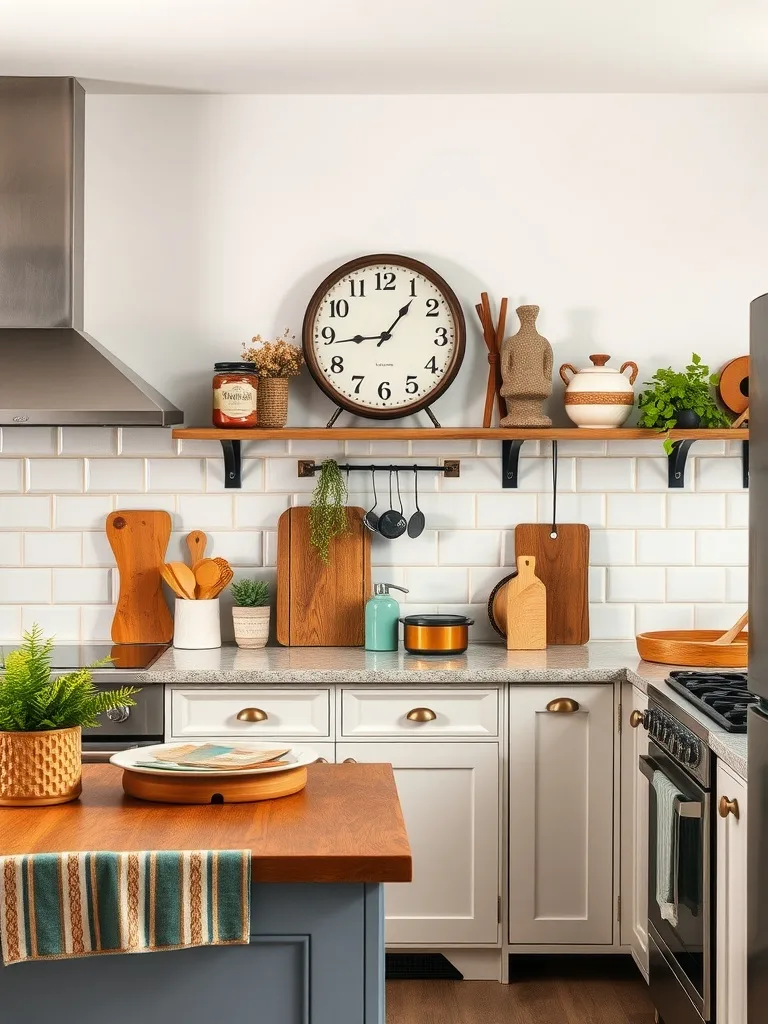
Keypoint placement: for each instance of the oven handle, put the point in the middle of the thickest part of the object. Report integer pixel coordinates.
(96, 756)
(102, 754)
(685, 808)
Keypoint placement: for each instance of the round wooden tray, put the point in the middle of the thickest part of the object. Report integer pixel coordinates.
(241, 789)
(690, 647)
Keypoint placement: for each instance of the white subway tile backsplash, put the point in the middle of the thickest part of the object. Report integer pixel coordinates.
(482, 580)
(665, 547)
(737, 510)
(270, 547)
(81, 586)
(605, 475)
(536, 475)
(406, 550)
(718, 616)
(10, 624)
(705, 447)
(239, 547)
(663, 616)
(176, 474)
(317, 450)
(96, 622)
(686, 511)
(443, 584)
(635, 510)
(29, 441)
(653, 475)
(444, 449)
(718, 475)
(580, 449)
(442, 511)
(596, 583)
(612, 547)
(25, 513)
(476, 475)
(611, 621)
(57, 548)
(261, 512)
(96, 549)
(55, 475)
(87, 441)
(61, 623)
(722, 547)
(574, 508)
(82, 512)
(694, 584)
(25, 586)
(503, 509)
(635, 583)
(147, 441)
(140, 500)
(10, 548)
(206, 511)
(469, 547)
(736, 584)
(11, 475)
(636, 449)
(113, 476)
(252, 475)
(282, 475)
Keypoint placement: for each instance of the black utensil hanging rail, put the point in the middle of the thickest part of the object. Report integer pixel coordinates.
(451, 468)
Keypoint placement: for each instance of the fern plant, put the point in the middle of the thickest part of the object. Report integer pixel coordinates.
(670, 391)
(31, 701)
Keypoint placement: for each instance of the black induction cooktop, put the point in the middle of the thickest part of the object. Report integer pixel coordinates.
(721, 696)
(122, 656)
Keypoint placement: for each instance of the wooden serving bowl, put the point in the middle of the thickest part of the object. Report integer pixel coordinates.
(692, 647)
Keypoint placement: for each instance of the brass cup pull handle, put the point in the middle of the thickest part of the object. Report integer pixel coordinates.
(322, 760)
(726, 807)
(349, 760)
(564, 704)
(252, 715)
(421, 715)
(636, 718)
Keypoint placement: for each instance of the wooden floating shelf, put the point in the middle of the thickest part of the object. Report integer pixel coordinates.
(512, 440)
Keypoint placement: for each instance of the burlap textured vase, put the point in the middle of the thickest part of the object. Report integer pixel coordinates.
(251, 626)
(272, 402)
(40, 768)
(526, 372)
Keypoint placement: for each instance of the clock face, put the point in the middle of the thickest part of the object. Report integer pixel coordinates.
(383, 336)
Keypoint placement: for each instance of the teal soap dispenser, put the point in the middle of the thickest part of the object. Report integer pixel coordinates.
(382, 613)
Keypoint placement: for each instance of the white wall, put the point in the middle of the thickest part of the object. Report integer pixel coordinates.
(637, 223)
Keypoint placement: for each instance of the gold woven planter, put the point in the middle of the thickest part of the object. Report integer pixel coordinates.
(40, 768)
(272, 401)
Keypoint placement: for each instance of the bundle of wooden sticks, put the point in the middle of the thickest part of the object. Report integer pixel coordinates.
(493, 338)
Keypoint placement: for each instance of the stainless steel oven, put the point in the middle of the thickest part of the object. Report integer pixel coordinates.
(680, 886)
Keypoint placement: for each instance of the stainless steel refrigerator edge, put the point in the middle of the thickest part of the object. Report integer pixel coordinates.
(757, 836)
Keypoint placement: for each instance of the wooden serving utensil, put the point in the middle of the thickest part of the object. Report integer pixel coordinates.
(207, 573)
(196, 542)
(224, 577)
(168, 575)
(733, 632)
(184, 577)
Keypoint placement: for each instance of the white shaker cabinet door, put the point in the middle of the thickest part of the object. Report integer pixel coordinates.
(634, 826)
(449, 793)
(561, 742)
(731, 929)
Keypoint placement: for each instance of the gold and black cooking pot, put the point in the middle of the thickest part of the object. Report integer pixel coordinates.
(436, 634)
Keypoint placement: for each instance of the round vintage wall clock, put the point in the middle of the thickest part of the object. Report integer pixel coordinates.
(383, 337)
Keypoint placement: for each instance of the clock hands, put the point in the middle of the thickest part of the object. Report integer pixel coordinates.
(357, 339)
(401, 313)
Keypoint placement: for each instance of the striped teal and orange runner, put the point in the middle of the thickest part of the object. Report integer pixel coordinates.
(59, 905)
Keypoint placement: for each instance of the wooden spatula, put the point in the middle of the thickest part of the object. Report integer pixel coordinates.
(207, 573)
(167, 573)
(184, 577)
(196, 542)
(733, 632)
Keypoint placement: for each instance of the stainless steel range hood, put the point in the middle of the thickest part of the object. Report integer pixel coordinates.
(51, 372)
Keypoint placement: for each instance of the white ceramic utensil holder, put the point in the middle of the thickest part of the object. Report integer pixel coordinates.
(197, 625)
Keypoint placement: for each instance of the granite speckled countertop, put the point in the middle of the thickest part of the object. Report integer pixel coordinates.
(597, 662)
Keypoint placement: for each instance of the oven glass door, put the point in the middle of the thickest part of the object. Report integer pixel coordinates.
(685, 931)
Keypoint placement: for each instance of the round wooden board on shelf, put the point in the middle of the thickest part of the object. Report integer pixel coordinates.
(238, 790)
(692, 647)
(734, 384)
(497, 605)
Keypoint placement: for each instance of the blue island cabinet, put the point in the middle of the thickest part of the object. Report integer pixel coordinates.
(316, 956)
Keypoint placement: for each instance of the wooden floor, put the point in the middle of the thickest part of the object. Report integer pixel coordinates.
(550, 996)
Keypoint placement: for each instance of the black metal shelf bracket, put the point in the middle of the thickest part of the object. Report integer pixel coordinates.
(745, 463)
(233, 464)
(676, 462)
(510, 462)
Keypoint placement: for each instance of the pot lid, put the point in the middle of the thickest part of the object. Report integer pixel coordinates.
(437, 620)
(599, 365)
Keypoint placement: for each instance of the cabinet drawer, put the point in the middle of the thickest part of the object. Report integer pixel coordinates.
(199, 712)
(434, 712)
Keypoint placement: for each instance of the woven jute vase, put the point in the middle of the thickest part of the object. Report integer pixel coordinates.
(272, 401)
(40, 768)
(251, 626)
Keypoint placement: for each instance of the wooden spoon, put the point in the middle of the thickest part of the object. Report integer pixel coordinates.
(226, 575)
(733, 632)
(167, 574)
(184, 577)
(207, 573)
(196, 542)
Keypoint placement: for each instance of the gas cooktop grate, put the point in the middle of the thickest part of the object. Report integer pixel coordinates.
(722, 696)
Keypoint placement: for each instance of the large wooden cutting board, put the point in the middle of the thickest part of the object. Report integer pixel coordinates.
(321, 605)
(139, 539)
(562, 565)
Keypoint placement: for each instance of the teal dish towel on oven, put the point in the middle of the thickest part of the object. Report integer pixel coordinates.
(667, 842)
(59, 905)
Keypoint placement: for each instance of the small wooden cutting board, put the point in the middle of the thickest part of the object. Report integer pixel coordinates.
(526, 608)
(562, 565)
(139, 539)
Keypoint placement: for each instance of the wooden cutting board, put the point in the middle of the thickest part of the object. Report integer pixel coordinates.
(526, 608)
(321, 605)
(562, 565)
(139, 539)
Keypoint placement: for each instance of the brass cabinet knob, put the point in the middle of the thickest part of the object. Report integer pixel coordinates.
(349, 760)
(636, 718)
(566, 704)
(322, 760)
(421, 715)
(252, 715)
(726, 807)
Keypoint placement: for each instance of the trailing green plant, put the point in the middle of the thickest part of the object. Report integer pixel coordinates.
(31, 701)
(328, 508)
(250, 593)
(671, 391)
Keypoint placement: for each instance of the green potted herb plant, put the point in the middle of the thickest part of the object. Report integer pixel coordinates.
(251, 612)
(41, 723)
(682, 399)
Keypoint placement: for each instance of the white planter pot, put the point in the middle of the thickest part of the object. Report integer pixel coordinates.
(599, 396)
(251, 626)
(197, 625)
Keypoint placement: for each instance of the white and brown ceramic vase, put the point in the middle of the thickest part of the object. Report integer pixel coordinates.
(251, 626)
(40, 768)
(526, 373)
(599, 396)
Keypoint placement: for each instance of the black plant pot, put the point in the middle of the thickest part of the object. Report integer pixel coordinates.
(686, 419)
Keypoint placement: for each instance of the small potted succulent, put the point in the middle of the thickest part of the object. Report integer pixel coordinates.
(251, 612)
(41, 722)
(682, 399)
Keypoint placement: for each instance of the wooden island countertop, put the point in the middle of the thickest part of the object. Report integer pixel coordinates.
(346, 826)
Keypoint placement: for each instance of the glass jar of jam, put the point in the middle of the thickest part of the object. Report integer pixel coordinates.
(234, 395)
